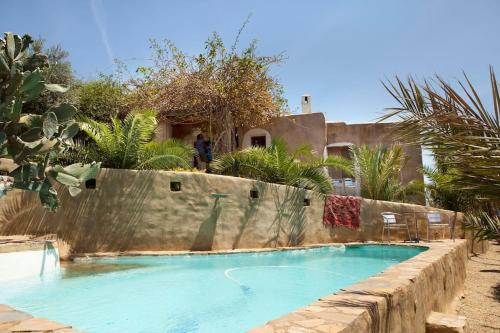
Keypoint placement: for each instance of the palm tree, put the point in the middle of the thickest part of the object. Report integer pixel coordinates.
(379, 170)
(458, 129)
(129, 144)
(463, 135)
(274, 164)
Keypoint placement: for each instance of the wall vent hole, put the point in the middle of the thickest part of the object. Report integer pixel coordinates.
(90, 184)
(175, 186)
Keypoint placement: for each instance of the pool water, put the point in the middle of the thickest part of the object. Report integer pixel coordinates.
(195, 293)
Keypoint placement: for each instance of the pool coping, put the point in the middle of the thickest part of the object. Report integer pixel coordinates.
(387, 301)
(92, 255)
(399, 299)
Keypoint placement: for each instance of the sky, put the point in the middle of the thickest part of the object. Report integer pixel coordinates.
(336, 51)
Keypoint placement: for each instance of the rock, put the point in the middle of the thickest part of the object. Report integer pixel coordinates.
(438, 322)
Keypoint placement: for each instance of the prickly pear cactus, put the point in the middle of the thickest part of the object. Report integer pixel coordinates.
(25, 138)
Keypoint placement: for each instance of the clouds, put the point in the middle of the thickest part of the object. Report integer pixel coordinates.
(98, 15)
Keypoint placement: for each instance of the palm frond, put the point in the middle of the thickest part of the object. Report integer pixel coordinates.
(456, 125)
(275, 164)
(484, 226)
(128, 144)
(165, 155)
(379, 170)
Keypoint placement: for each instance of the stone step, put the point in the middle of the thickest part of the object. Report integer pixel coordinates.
(439, 322)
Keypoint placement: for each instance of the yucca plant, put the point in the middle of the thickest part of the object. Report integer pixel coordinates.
(274, 164)
(379, 170)
(129, 144)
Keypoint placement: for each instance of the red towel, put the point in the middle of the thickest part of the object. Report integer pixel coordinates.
(342, 211)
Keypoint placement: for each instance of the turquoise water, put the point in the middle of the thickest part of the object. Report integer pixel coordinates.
(214, 293)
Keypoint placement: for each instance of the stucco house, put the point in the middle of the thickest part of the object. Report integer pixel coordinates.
(325, 137)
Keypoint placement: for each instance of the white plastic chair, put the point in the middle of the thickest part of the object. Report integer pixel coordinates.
(435, 221)
(391, 223)
(337, 182)
(349, 182)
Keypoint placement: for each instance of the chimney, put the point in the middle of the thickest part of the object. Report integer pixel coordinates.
(306, 104)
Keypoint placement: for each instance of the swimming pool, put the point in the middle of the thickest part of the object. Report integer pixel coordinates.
(196, 293)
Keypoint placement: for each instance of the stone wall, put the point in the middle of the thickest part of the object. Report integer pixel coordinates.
(137, 211)
(398, 300)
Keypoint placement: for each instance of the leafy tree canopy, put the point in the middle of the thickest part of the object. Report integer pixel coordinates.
(219, 90)
(102, 99)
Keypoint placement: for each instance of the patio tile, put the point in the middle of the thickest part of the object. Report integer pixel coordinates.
(9, 316)
(4, 308)
(38, 325)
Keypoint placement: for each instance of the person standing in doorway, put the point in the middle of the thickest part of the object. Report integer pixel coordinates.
(201, 152)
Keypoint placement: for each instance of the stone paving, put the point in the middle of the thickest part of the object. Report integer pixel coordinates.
(14, 321)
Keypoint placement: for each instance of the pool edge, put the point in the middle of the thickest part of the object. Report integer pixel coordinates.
(394, 300)
(399, 299)
(91, 255)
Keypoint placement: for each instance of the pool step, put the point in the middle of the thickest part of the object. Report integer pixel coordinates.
(13, 321)
(439, 322)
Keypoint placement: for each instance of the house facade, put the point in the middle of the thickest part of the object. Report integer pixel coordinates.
(327, 138)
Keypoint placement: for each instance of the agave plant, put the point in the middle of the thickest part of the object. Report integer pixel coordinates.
(274, 164)
(379, 170)
(129, 144)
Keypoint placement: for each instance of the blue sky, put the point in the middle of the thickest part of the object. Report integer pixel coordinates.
(337, 51)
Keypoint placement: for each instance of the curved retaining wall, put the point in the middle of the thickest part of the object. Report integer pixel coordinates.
(134, 210)
(398, 300)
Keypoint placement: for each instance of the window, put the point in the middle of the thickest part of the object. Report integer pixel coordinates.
(258, 141)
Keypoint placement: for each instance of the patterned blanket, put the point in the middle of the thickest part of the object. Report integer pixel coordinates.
(342, 211)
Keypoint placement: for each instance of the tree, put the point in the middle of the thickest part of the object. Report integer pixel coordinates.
(459, 130)
(219, 90)
(463, 135)
(442, 191)
(274, 164)
(102, 99)
(128, 144)
(57, 71)
(379, 170)
(28, 138)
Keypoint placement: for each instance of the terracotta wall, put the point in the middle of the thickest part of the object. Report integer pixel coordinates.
(136, 210)
(299, 129)
(372, 134)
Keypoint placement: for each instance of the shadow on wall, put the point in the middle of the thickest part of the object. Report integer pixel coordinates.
(288, 226)
(251, 210)
(205, 238)
(86, 226)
